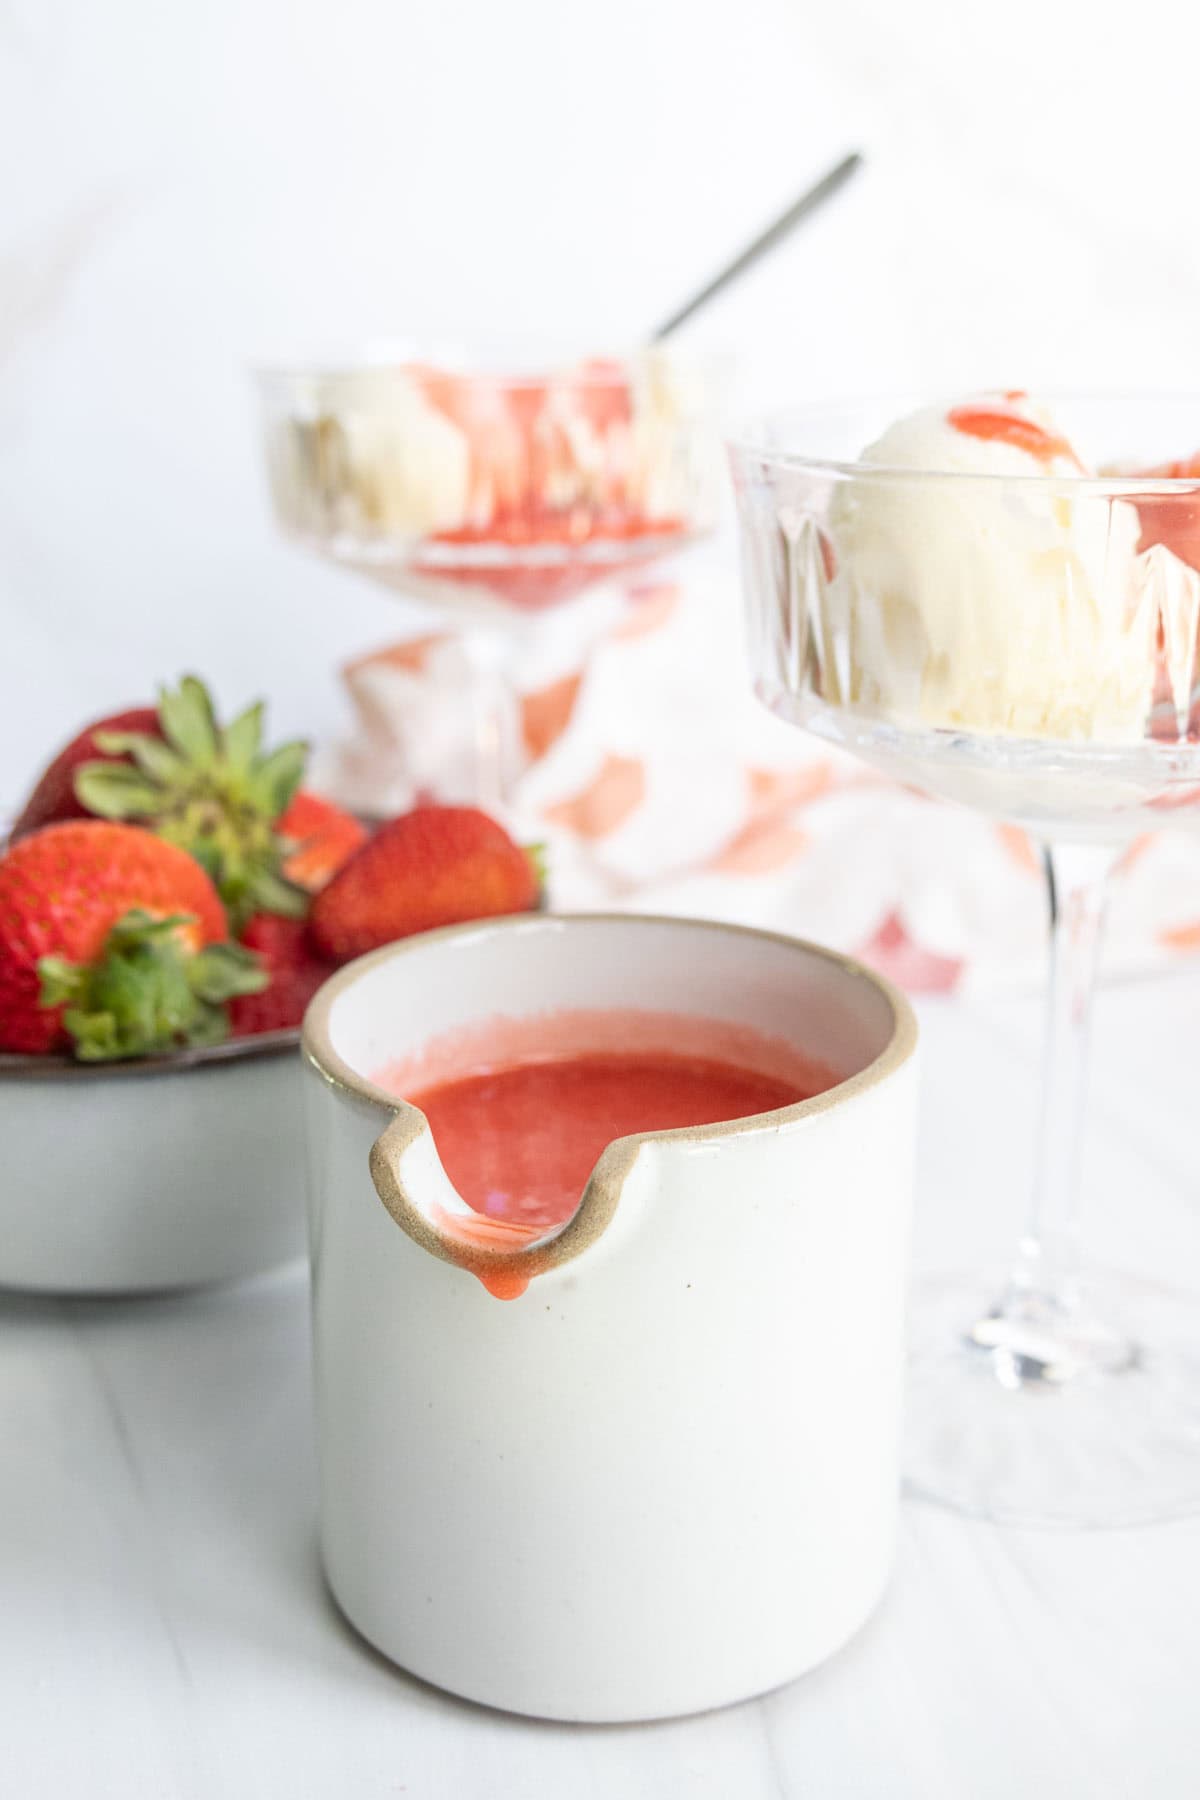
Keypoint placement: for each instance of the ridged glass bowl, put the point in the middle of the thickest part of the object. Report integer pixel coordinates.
(1028, 645)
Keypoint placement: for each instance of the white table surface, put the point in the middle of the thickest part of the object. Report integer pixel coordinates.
(165, 1635)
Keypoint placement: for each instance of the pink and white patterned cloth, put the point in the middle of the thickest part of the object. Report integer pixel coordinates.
(658, 784)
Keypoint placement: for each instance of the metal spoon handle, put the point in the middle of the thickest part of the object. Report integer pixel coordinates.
(800, 209)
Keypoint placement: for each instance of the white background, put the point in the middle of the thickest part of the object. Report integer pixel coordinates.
(189, 187)
(184, 187)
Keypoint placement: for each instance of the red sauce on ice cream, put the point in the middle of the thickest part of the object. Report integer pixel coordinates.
(995, 424)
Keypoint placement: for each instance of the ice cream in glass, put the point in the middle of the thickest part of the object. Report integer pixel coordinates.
(998, 600)
(496, 490)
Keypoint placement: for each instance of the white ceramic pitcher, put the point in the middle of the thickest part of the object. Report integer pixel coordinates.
(665, 1477)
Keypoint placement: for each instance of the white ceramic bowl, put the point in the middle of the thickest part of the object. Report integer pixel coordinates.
(665, 1477)
(166, 1173)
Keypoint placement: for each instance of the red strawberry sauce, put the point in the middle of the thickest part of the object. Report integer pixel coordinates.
(996, 424)
(519, 1143)
(520, 1109)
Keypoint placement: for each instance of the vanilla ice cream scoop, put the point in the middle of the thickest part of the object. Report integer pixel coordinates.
(370, 453)
(982, 598)
(410, 466)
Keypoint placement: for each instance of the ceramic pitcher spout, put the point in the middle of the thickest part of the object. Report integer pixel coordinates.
(503, 1254)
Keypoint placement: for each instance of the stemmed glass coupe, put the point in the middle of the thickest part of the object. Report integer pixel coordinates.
(1027, 644)
(496, 489)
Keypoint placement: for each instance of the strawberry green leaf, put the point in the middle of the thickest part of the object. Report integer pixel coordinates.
(187, 720)
(139, 927)
(275, 780)
(94, 1035)
(61, 980)
(223, 970)
(272, 893)
(242, 739)
(210, 790)
(147, 992)
(211, 1027)
(116, 791)
(151, 755)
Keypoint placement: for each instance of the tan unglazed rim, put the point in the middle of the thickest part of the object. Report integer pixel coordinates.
(599, 1200)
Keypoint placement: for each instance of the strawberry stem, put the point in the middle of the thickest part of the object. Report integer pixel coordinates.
(148, 992)
(209, 788)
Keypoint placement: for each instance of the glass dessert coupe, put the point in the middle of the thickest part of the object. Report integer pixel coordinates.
(496, 490)
(963, 606)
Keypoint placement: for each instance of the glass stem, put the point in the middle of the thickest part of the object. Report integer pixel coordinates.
(496, 717)
(1048, 1255)
(1040, 1331)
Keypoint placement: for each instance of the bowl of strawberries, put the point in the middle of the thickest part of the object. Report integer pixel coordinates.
(171, 897)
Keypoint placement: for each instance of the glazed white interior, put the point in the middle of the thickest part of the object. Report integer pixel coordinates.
(391, 1010)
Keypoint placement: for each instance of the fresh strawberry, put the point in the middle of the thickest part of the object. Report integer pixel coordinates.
(54, 797)
(294, 972)
(321, 837)
(113, 940)
(436, 865)
(211, 789)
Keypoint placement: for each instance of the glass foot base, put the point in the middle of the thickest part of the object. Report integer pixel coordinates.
(1039, 1417)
